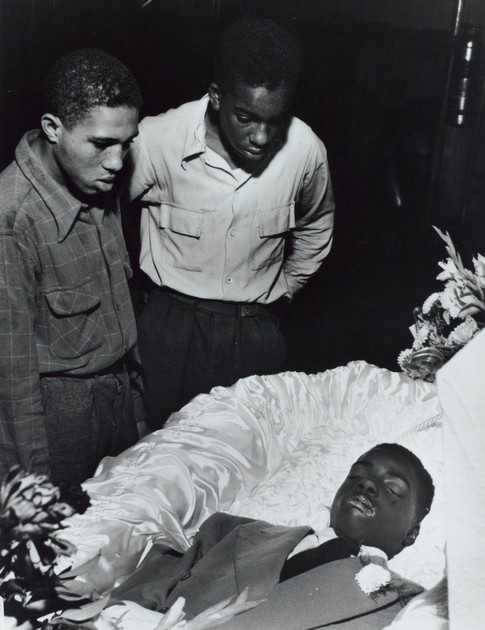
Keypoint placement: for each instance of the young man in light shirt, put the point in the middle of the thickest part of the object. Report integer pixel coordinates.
(237, 215)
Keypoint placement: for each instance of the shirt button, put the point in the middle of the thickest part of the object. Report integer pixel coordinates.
(232, 232)
(229, 279)
(185, 576)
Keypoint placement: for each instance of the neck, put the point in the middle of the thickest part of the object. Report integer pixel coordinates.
(45, 152)
(216, 140)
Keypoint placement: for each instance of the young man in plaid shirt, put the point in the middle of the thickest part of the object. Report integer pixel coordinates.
(66, 319)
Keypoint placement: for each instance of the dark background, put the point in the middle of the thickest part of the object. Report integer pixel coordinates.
(380, 87)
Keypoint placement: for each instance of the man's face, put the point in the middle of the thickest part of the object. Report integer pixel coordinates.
(377, 503)
(91, 153)
(251, 119)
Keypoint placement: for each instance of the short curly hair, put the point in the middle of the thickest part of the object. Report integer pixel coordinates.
(257, 52)
(86, 78)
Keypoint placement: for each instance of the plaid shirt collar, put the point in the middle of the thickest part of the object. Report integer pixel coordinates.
(62, 204)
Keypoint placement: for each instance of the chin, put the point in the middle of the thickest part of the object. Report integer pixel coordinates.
(245, 155)
(105, 187)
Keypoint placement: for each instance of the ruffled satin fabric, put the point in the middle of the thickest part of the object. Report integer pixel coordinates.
(271, 447)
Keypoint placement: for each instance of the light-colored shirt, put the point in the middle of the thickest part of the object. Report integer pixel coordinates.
(65, 305)
(213, 232)
(310, 541)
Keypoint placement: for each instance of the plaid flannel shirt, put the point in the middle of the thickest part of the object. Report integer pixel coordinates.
(65, 304)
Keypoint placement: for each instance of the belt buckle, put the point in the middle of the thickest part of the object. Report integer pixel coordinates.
(247, 310)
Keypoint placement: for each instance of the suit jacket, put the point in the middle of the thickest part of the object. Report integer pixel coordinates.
(231, 553)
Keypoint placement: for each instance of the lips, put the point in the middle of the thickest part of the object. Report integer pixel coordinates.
(361, 503)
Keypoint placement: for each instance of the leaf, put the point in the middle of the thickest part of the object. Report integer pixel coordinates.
(173, 616)
(53, 624)
(450, 248)
(82, 568)
(84, 613)
(222, 612)
(74, 589)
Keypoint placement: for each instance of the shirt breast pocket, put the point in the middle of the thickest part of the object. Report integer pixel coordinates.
(272, 228)
(74, 320)
(181, 233)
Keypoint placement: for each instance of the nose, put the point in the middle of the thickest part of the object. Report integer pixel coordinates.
(114, 159)
(260, 136)
(368, 486)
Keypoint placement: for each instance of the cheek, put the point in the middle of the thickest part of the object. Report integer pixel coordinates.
(76, 157)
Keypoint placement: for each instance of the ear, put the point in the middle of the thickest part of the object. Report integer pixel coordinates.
(52, 127)
(215, 96)
(411, 536)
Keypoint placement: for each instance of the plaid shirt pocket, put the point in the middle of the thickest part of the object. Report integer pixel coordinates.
(74, 322)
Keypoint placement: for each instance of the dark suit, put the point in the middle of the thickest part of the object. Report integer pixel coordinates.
(230, 554)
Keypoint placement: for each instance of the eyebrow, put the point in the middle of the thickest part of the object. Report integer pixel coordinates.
(109, 139)
(247, 112)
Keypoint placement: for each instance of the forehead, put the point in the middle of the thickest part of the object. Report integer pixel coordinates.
(259, 100)
(113, 122)
(381, 461)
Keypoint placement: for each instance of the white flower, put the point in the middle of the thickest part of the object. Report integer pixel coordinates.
(450, 270)
(450, 299)
(422, 333)
(428, 303)
(372, 577)
(403, 358)
(463, 332)
(479, 265)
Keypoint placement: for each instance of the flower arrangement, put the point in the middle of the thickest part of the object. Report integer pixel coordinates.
(32, 511)
(448, 319)
(38, 594)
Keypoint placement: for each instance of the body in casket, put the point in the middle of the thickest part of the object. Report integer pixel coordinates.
(274, 448)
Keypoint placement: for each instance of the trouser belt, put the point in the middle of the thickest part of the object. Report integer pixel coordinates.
(237, 309)
(113, 370)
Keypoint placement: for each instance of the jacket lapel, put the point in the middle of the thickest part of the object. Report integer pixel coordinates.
(261, 550)
(323, 596)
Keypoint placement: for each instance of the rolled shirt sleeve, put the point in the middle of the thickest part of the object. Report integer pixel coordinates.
(311, 239)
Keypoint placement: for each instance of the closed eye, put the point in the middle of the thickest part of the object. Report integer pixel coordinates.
(396, 489)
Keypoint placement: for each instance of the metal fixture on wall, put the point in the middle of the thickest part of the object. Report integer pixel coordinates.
(454, 154)
(439, 143)
(463, 92)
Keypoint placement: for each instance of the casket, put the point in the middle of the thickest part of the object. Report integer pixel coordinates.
(270, 447)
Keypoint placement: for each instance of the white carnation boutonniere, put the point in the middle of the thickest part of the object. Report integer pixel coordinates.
(375, 578)
(372, 578)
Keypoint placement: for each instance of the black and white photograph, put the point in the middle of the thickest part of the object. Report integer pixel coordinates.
(242, 313)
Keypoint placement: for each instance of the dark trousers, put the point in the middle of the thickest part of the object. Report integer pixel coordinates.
(187, 348)
(86, 419)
